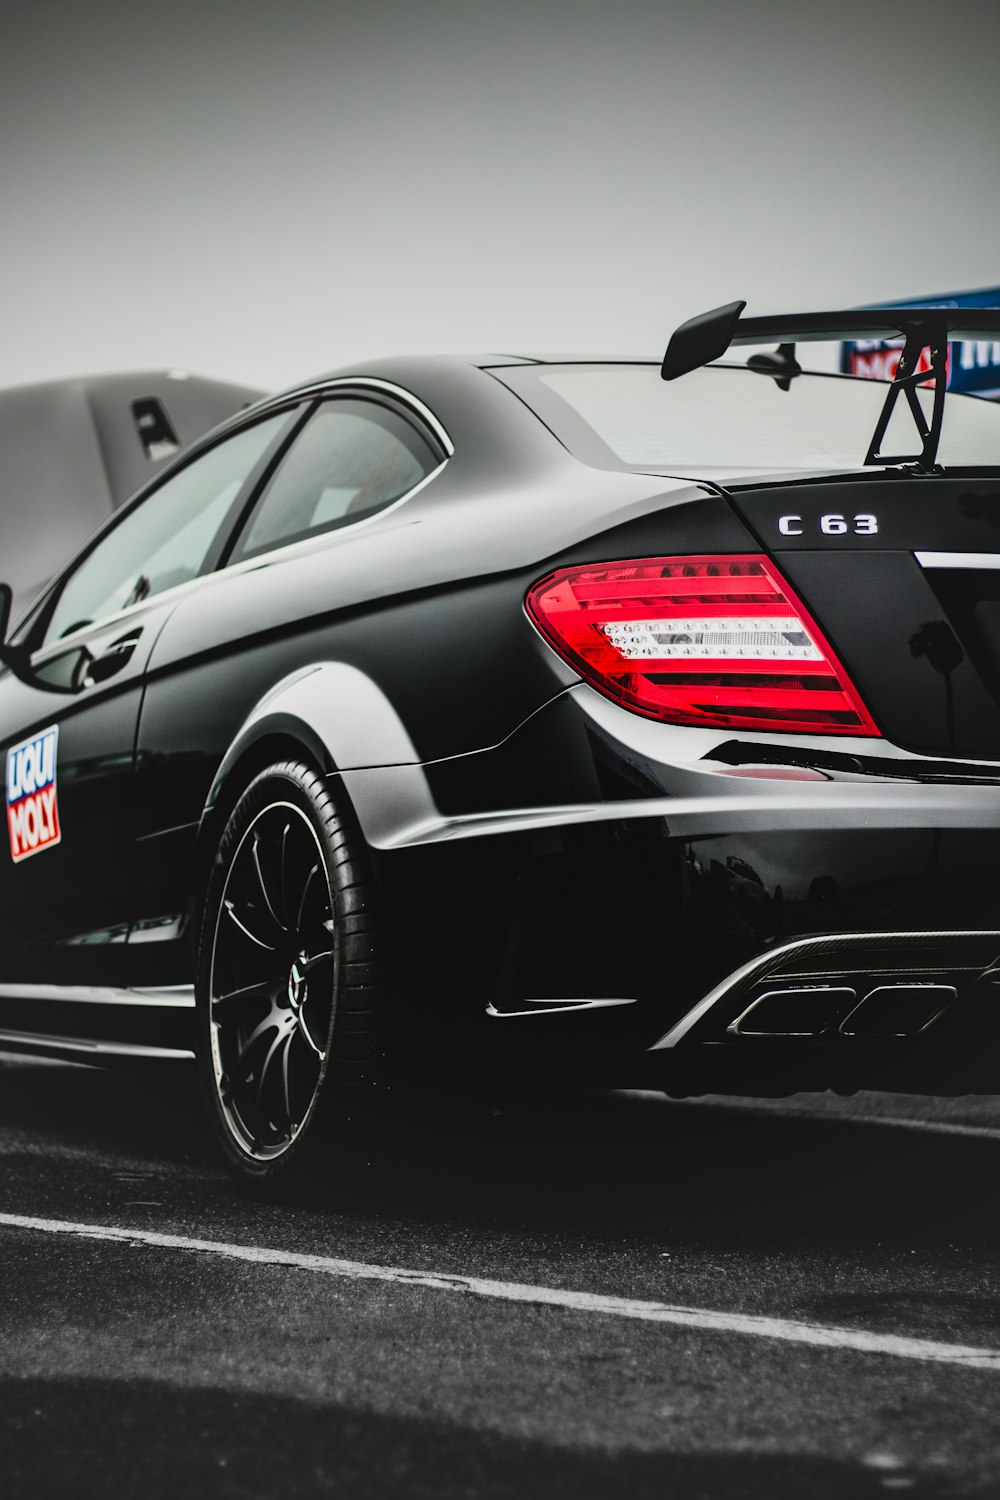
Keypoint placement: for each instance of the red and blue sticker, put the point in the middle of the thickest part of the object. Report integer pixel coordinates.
(32, 810)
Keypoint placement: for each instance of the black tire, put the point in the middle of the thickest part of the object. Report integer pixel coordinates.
(287, 1005)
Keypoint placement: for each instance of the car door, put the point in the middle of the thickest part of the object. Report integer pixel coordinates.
(269, 611)
(70, 707)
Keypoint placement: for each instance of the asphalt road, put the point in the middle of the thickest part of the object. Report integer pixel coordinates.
(729, 1300)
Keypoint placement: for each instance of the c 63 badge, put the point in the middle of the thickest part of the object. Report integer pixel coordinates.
(32, 808)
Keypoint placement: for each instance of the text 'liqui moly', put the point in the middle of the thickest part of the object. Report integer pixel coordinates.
(32, 810)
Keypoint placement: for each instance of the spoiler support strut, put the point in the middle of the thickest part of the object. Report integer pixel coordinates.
(907, 378)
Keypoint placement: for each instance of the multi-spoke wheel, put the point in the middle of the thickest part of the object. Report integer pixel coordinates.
(285, 970)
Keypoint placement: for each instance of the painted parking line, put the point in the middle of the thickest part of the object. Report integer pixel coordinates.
(814, 1335)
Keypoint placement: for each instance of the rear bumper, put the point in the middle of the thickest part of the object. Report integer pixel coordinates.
(596, 856)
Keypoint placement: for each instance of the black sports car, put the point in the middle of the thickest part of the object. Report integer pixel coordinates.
(527, 717)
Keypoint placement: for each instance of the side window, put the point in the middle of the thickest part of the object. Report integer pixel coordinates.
(165, 540)
(352, 459)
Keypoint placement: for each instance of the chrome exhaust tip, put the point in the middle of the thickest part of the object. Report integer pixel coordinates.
(852, 985)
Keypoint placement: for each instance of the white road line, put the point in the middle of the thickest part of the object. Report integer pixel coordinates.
(814, 1335)
(900, 1122)
(842, 1117)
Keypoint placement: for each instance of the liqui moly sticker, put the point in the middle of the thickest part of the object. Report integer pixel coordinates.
(32, 811)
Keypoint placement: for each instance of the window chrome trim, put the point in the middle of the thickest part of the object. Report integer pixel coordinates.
(292, 398)
(79, 638)
(386, 387)
(320, 538)
(981, 560)
(245, 565)
(44, 607)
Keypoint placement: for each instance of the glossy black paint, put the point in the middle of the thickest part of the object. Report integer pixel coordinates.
(67, 910)
(424, 604)
(885, 612)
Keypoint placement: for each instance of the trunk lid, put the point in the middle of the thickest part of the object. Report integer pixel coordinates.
(902, 572)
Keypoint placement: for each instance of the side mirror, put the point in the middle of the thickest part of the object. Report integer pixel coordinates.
(60, 674)
(10, 656)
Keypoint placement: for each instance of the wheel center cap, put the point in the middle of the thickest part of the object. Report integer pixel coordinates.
(297, 987)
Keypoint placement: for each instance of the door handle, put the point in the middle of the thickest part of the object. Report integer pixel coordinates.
(110, 661)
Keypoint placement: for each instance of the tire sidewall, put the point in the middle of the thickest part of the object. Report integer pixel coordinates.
(288, 782)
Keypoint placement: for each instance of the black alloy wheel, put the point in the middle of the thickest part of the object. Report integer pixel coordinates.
(286, 997)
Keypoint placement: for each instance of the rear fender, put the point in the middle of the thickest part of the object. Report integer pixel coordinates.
(332, 713)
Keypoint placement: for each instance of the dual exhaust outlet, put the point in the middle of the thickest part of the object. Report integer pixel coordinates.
(883, 1011)
(874, 986)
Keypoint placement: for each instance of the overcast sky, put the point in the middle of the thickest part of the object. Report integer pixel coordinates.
(262, 190)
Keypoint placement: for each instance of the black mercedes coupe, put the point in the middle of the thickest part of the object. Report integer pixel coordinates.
(511, 718)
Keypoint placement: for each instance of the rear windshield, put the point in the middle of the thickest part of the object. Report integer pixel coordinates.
(626, 416)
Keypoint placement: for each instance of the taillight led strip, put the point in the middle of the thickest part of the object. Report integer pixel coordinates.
(720, 640)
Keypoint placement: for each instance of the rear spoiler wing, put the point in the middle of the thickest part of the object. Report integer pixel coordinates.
(707, 337)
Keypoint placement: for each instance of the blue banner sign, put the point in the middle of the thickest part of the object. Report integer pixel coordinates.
(973, 368)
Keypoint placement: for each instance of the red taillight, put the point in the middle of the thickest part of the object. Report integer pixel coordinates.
(699, 640)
